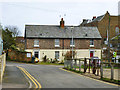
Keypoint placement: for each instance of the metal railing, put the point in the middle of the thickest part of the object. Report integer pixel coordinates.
(97, 66)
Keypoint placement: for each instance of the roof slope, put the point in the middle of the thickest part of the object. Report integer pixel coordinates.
(50, 31)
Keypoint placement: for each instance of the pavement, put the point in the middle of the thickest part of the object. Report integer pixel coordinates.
(14, 78)
(48, 76)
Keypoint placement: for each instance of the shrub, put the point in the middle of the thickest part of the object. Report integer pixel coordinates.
(44, 58)
(68, 55)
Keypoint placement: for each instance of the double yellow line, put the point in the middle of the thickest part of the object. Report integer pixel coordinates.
(37, 84)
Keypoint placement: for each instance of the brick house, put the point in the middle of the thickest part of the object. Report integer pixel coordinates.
(102, 22)
(55, 40)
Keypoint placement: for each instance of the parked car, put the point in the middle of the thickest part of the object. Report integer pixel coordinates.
(36, 60)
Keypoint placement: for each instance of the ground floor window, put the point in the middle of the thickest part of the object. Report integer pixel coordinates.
(36, 54)
(56, 54)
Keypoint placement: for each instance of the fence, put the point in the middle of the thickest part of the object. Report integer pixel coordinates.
(2, 65)
(94, 66)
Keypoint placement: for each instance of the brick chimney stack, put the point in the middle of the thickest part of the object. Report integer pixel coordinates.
(62, 23)
(94, 17)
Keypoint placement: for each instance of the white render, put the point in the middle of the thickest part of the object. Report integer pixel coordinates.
(50, 53)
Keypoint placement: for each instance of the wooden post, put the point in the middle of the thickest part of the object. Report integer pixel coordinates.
(98, 67)
(89, 65)
(67, 63)
(75, 65)
(112, 72)
(64, 63)
(101, 70)
(79, 66)
(85, 65)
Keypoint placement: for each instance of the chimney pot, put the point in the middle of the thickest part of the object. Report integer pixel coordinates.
(62, 23)
(94, 17)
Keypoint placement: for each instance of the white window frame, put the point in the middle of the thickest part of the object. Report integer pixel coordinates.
(92, 45)
(57, 43)
(117, 30)
(71, 43)
(36, 43)
(58, 55)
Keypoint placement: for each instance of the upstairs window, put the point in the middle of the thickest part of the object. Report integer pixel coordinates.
(91, 43)
(72, 43)
(36, 43)
(57, 43)
(117, 30)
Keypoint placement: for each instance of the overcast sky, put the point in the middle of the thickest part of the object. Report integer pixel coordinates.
(49, 12)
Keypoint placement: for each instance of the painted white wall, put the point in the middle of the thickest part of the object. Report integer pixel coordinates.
(50, 53)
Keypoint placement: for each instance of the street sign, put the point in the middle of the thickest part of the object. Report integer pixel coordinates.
(114, 54)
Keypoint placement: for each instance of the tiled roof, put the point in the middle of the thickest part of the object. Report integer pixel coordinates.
(52, 31)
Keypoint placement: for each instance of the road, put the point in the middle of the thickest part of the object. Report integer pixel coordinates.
(51, 76)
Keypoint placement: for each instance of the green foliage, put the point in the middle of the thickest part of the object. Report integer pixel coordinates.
(8, 40)
(68, 55)
(44, 58)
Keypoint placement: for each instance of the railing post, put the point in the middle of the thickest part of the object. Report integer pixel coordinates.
(89, 65)
(85, 62)
(75, 65)
(112, 72)
(79, 66)
(101, 69)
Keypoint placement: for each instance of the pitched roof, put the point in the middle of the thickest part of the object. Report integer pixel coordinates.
(51, 31)
(98, 18)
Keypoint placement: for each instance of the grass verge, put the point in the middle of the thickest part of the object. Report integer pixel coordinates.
(48, 63)
(103, 79)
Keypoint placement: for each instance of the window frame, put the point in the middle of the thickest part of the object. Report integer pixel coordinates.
(72, 44)
(57, 43)
(91, 41)
(36, 43)
(57, 53)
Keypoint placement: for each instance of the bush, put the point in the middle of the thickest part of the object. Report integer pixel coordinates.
(68, 55)
(44, 58)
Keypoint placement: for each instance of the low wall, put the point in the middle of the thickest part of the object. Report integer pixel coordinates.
(19, 56)
(2, 66)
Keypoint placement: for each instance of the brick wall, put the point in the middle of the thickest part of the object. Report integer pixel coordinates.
(64, 44)
(103, 25)
(19, 56)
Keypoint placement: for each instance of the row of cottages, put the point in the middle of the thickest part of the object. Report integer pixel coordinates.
(102, 23)
(55, 40)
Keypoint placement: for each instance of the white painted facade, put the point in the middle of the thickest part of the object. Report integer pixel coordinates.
(50, 53)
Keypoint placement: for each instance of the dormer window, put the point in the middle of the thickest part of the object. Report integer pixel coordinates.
(36, 43)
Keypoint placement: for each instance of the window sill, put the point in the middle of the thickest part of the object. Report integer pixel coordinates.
(91, 45)
(72, 45)
(36, 45)
(57, 45)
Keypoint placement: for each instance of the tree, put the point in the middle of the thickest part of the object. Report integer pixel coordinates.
(68, 55)
(14, 29)
(8, 40)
